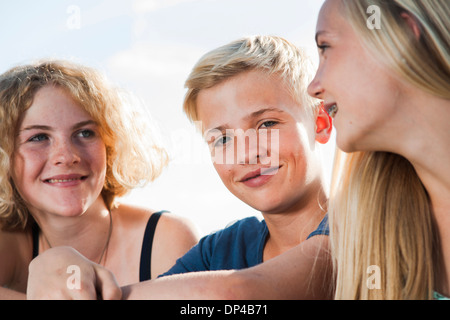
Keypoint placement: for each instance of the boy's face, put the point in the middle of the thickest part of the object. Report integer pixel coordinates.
(262, 141)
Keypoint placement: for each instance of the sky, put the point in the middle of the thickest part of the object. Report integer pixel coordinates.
(149, 47)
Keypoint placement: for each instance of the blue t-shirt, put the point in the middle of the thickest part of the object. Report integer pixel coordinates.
(236, 247)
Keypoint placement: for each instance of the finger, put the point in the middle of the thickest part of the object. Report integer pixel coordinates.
(106, 284)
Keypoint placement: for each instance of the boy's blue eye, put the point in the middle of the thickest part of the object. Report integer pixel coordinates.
(268, 124)
(222, 141)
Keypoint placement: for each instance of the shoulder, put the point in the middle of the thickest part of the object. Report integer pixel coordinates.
(168, 224)
(173, 235)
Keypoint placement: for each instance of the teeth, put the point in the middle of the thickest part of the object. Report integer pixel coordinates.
(59, 181)
(333, 110)
(270, 172)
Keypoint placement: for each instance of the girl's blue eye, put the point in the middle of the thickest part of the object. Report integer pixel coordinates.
(86, 134)
(38, 138)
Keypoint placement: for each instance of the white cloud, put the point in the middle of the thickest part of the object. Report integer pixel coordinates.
(153, 60)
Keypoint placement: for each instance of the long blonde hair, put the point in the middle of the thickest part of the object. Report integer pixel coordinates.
(134, 154)
(380, 214)
(380, 217)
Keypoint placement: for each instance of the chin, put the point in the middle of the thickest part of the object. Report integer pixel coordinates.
(69, 211)
(265, 205)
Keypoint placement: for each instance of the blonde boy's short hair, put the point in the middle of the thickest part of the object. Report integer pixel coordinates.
(270, 54)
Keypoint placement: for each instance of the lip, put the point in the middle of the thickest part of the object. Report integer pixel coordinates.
(259, 177)
(66, 180)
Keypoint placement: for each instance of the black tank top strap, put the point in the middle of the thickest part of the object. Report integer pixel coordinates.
(35, 235)
(146, 252)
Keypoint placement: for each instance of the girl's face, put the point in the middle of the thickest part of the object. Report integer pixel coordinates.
(59, 163)
(350, 80)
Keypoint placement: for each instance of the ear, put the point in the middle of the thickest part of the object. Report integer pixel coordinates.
(324, 126)
(412, 23)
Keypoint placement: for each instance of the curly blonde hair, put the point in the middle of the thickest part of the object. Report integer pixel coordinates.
(134, 154)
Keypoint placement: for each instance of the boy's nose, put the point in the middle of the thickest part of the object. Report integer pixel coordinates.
(247, 147)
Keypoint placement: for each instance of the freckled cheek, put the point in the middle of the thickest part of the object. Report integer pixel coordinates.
(27, 166)
(96, 157)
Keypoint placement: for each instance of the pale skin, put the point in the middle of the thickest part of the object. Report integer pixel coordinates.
(290, 199)
(59, 169)
(404, 119)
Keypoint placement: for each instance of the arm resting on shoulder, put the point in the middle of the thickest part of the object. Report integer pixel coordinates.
(304, 272)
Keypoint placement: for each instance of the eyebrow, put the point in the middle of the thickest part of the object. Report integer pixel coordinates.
(48, 128)
(251, 116)
(259, 113)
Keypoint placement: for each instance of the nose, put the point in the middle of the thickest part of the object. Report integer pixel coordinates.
(315, 88)
(247, 147)
(64, 153)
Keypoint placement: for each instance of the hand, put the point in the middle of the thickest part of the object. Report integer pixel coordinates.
(63, 273)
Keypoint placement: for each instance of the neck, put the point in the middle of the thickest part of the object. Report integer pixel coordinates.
(290, 227)
(427, 148)
(87, 233)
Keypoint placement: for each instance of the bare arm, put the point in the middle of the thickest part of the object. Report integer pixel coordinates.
(8, 294)
(12, 267)
(304, 272)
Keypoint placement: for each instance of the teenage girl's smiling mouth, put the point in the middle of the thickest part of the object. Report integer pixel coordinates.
(331, 109)
(65, 181)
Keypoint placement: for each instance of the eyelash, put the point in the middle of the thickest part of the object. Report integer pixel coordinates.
(219, 142)
(323, 47)
(37, 137)
(272, 123)
(91, 133)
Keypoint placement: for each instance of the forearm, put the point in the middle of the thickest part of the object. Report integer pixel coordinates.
(302, 273)
(208, 285)
(8, 294)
